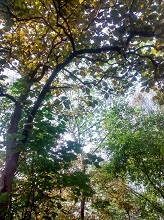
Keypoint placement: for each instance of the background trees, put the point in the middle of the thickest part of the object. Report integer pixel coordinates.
(51, 47)
(135, 143)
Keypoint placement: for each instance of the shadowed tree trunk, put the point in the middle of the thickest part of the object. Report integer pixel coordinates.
(82, 207)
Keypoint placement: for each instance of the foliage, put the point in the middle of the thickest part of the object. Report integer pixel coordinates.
(115, 198)
(45, 174)
(48, 48)
(37, 36)
(135, 144)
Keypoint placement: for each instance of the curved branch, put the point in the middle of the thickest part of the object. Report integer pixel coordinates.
(134, 33)
(153, 46)
(9, 97)
(60, 87)
(54, 73)
(144, 56)
(117, 49)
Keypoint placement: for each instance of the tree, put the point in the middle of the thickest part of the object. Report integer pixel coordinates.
(135, 141)
(113, 198)
(57, 45)
(84, 129)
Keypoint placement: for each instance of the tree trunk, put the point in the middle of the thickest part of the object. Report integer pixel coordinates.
(11, 161)
(6, 182)
(12, 147)
(82, 207)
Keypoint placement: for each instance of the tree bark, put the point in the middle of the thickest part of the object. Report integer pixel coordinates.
(82, 208)
(12, 155)
(6, 182)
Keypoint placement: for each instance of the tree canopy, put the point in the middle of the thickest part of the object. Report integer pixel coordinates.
(48, 48)
(133, 174)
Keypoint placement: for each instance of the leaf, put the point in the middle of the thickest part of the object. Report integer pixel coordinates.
(147, 90)
(144, 73)
(111, 3)
(154, 51)
(27, 102)
(81, 1)
(87, 90)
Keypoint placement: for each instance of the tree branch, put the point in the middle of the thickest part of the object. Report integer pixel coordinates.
(69, 35)
(44, 69)
(153, 46)
(151, 182)
(42, 95)
(94, 60)
(144, 56)
(8, 12)
(9, 97)
(134, 33)
(154, 205)
(98, 50)
(60, 87)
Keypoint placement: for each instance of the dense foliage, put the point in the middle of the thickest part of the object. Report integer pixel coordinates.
(135, 144)
(59, 60)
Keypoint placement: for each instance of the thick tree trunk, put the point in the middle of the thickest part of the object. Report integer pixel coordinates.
(11, 162)
(6, 182)
(12, 155)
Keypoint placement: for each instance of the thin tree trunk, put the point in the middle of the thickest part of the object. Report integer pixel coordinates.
(82, 194)
(82, 208)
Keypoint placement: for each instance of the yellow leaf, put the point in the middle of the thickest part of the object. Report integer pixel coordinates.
(9, 36)
(142, 17)
(111, 3)
(21, 32)
(144, 73)
(94, 3)
(154, 51)
(81, 1)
